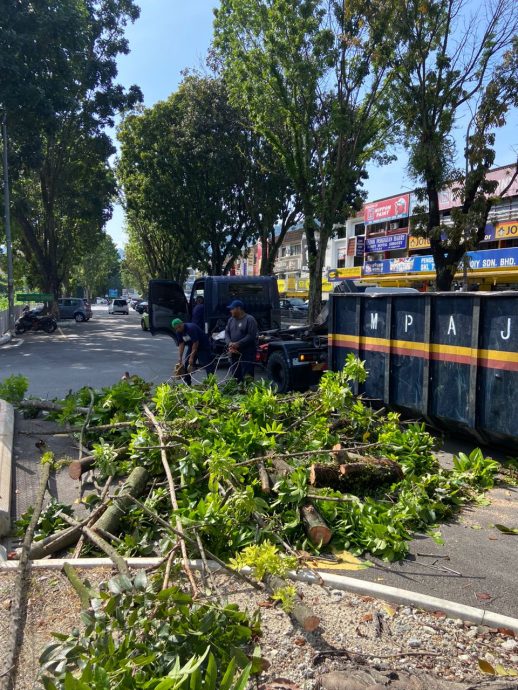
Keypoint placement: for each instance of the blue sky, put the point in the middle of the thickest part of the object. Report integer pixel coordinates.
(174, 34)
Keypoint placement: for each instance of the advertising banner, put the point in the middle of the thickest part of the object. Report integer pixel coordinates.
(506, 231)
(418, 242)
(451, 197)
(360, 246)
(387, 243)
(388, 209)
(337, 274)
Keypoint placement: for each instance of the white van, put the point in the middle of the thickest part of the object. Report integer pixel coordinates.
(118, 306)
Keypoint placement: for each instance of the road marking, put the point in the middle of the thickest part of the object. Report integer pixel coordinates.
(16, 342)
(63, 335)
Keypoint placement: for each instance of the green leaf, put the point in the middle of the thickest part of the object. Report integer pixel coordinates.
(486, 667)
(507, 530)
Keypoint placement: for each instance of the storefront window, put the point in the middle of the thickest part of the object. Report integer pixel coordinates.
(359, 229)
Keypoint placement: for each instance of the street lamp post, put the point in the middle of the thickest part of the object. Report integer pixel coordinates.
(8, 242)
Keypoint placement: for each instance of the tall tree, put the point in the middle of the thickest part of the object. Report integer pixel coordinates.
(311, 75)
(97, 270)
(451, 63)
(199, 185)
(59, 95)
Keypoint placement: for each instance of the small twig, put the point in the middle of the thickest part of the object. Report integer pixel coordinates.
(344, 652)
(206, 570)
(334, 499)
(90, 522)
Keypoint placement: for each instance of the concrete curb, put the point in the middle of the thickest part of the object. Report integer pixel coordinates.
(469, 614)
(6, 338)
(6, 462)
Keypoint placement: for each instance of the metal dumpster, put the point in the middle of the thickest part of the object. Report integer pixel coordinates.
(451, 358)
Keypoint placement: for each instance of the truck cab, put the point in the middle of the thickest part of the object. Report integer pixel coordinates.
(167, 301)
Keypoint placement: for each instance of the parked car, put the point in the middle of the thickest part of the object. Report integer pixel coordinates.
(293, 308)
(118, 306)
(141, 307)
(74, 308)
(134, 301)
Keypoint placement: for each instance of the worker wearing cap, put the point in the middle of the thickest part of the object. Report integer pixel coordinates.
(241, 339)
(195, 344)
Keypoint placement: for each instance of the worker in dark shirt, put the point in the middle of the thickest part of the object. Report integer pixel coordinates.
(241, 339)
(195, 345)
(198, 313)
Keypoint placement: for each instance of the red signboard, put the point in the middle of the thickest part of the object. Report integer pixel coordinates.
(388, 209)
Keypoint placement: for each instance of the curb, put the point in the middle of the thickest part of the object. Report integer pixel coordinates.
(4, 339)
(6, 461)
(469, 614)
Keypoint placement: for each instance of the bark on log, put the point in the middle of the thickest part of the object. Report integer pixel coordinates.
(78, 467)
(304, 616)
(47, 406)
(315, 526)
(263, 476)
(85, 594)
(366, 471)
(281, 467)
(134, 486)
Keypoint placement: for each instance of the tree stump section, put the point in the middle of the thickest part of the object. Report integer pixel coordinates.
(316, 529)
(358, 471)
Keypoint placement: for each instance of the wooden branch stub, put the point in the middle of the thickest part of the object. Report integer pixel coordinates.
(315, 526)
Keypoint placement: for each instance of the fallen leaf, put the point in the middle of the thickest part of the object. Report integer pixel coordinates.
(507, 530)
(483, 596)
(506, 631)
(367, 618)
(299, 641)
(6, 604)
(502, 671)
(266, 604)
(343, 560)
(389, 610)
(486, 667)
(439, 614)
(366, 598)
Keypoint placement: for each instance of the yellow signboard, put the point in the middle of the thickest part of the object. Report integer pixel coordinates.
(327, 286)
(507, 230)
(303, 284)
(418, 242)
(337, 273)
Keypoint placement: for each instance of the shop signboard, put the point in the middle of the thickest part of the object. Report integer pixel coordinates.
(507, 231)
(388, 209)
(338, 274)
(452, 196)
(360, 246)
(387, 243)
(418, 242)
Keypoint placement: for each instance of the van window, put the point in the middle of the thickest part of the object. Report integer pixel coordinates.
(119, 302)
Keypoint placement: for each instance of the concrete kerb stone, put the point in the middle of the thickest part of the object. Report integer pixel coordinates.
(6, 464)
(6, 338)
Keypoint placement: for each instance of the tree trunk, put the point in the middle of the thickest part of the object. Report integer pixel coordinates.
(316, 529)
(316, 268)
(359, 473)
(304, 616)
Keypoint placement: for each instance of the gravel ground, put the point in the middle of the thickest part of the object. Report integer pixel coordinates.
(372, 632)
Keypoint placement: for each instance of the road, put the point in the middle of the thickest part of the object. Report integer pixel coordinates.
(95, 353)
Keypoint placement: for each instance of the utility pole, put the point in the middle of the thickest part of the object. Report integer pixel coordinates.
(7, 217)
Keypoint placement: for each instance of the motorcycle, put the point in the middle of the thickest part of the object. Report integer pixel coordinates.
(34, 320)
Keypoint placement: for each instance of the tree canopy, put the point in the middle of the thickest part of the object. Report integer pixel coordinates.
(198, 185)
(311, 77)
(452, 65)
(59, 95)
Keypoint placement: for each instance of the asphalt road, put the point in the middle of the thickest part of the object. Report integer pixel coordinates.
(94, 353)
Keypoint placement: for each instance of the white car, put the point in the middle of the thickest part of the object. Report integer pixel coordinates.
(118, 306)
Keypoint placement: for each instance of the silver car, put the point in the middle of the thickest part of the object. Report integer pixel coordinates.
(74, 308)
(118, 306)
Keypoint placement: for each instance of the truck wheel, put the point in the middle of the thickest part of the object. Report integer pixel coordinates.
(278, 372)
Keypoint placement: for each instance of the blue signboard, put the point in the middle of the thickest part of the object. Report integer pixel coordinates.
(360, 246)
(479, 260)
(387, 243)
(113, 293)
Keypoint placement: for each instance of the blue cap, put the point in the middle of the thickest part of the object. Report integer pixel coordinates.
(235, 304)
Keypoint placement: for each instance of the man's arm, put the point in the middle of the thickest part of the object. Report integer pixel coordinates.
(181, 348)
(228, 339)
(194, 351)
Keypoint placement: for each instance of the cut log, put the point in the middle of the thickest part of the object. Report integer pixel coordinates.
(315, 526)
(85, 594)
(281, 467)
(134, 486)
(305, 617)
(358, 471)
(47, 406)
(78, 467)
(263, 476)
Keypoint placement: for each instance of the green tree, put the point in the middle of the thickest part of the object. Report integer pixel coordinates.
(98, 269)
(59, 95)
(311, 75)
(199, 186)
(134, 270)
(449, 64)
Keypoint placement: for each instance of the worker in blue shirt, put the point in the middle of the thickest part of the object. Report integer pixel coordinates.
(195, 345)
(241, 339)
(198, 313)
